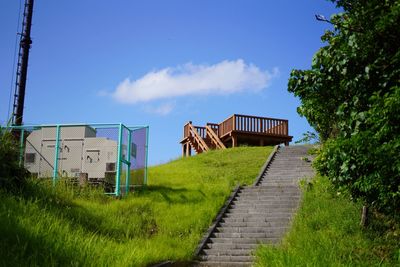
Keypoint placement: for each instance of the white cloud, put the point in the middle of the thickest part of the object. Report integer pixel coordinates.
(226, 77)
(162, 110)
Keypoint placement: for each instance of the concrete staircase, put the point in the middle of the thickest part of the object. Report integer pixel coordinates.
(259, 213)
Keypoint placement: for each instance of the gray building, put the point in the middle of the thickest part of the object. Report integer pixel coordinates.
(80, 151)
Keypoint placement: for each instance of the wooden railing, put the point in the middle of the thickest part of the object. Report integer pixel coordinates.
(240, 123)
(214, 138)
(186, 130)
(199, 141)
(214, 126)
(200, 130)
(253, 124)
(226, 126)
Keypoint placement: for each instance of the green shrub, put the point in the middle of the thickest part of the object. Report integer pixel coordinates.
(351, 96)
(12, 176)
(367, 162)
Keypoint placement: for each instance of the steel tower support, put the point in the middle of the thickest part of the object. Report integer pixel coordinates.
(22, 67)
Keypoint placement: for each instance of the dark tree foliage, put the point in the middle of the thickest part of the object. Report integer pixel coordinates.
(351, 96)
(12, 176)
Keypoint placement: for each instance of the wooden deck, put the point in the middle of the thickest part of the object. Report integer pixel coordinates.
(235, 131)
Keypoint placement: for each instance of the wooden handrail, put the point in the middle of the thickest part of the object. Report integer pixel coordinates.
(198, 138)
(214, 126)
(258, 117)
(201, 131)
(214, 138)
(186, 130)
(225, 127)
(254, 124)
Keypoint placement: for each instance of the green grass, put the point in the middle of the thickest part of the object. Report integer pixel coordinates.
(42, 226)
(326, 232)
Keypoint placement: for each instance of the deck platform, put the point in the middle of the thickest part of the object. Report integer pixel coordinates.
(235, 131)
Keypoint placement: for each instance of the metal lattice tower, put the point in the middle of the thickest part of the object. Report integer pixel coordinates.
(22, 67)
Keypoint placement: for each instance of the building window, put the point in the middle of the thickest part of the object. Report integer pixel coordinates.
(30, 157)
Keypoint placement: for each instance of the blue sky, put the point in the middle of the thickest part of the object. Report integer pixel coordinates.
(162, 63)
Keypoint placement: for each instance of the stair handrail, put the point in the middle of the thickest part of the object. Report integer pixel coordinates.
(198, 138)
(214, 138)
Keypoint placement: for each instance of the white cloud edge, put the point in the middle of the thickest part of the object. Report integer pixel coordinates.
(162, 110)
(225, 77)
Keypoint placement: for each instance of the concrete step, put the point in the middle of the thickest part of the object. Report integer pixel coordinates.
(260, 210)
(279, 190)
(223, 264)
(254, 198)
(227, 252)
(263, 240)
(282, 174)
(258, 213)
(277, 223)
(294, 175)
(274, 219)
(223, 258)
(269, 234)
(277, 193)
(268, 205)
(293, 201)
(270, 189)
(228, 246)
(248, 229)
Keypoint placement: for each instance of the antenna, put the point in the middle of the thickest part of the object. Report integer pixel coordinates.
(22, 66)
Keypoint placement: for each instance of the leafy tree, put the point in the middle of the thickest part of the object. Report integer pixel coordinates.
(351, 96)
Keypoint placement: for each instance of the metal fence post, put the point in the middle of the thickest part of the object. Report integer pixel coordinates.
(129, 148)
(147, 155)
(56, 154)
(21, 148)
(118, 175)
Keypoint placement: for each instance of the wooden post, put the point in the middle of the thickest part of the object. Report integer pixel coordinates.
(234, 141)
(188, 150)
(364, 216)
(234, 123)
(287, 127)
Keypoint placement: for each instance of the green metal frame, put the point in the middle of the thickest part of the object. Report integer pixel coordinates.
(120, 160)
(129, 148)
(21, 148)
(56, 154)
(147, 155)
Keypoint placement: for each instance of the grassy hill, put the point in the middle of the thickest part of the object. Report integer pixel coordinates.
(326, 232)
(43, 226)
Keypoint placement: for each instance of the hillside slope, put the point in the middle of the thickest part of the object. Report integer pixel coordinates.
(67, 226)
(326, 232)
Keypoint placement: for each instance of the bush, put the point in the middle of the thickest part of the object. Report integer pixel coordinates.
(351, 96)
(12, 176)
(367, 162)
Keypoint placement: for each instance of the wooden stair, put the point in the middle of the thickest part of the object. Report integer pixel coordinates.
(202, 139)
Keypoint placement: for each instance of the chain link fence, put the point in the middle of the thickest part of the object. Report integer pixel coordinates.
(111, 155)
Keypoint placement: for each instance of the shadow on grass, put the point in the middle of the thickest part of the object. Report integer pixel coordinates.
(174, 195)
(22, 246)
(112, 225)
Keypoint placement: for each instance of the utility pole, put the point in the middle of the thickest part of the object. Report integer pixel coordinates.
(22, 67)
